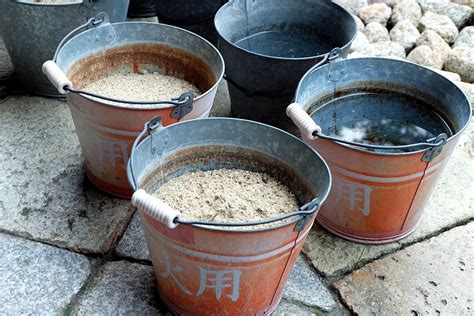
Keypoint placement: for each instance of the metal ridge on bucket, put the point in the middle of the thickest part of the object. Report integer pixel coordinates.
(379, 192)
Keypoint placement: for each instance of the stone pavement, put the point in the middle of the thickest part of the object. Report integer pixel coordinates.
(67, 248)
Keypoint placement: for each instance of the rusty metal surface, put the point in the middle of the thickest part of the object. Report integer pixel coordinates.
(211, 270)
(106, 131)
(32, 31)
(378, 196)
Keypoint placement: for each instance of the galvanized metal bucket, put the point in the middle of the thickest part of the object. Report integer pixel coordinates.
(32, 30)
(269, 44)
(208, 268)
(194, 15)
(106, 131)
(379, 191)
(141, 9)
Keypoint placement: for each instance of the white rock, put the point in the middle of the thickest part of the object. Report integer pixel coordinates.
(376, 32)
(391, 3)
(461, 61)
(448, 74)
(436, 42)
(469, 3)
(352, 6)
(465, 37)
(425, 56)
(407, 10)
(359, 23)
(459, 14)
(359, 42)
(405, 34)
(468, 89)
(387, 49)
(440, 24)
(377, 12)
(433, 5)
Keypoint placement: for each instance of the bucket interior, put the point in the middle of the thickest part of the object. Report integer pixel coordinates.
(285, 29)
(141, 46)
(136, 58)
(385, 110)
(211, 146)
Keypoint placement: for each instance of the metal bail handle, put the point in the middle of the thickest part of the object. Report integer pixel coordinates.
(95, 21)
(164, 213)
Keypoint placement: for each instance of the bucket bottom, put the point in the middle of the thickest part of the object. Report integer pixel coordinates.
(121, 192)
(177, 311)
(270, 110)
(368, 240)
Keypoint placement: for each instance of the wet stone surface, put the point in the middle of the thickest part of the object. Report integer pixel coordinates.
(121, 288)
(45, 194)
(451, 204)
(37, 278)
(430, 278)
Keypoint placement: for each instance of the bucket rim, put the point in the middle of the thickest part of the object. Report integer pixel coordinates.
(289, 59)
(396, 60)
(48, 4)
(157, 106)
(321, 199)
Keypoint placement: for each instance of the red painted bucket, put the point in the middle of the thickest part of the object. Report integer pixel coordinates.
(379, 191)
(205, 268)
(107, 130)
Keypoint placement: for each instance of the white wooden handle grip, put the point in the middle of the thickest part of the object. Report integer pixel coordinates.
(57, 77)
(305, 123)
(155, 208)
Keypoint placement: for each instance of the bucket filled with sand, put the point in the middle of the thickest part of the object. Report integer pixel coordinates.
(226, 205)
(119, 76)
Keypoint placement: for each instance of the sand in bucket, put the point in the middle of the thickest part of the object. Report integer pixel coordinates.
(228, 195)
(143, 86)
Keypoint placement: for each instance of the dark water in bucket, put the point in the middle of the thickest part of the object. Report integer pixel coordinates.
(390, 119)
(285, 44)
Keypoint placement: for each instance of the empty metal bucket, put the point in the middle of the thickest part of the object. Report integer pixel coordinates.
(194, 15)
(415, 115)
(32, 30)
(269, 44)
(141, 9)
(106, 131)
(204, 269)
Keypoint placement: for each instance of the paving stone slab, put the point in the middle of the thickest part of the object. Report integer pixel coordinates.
(429, 278)
(286, 308)
(121, 288)
(6, 67)
(305, 287)
(36, 278)
(45, 195)
(451, 204)
(133, 243)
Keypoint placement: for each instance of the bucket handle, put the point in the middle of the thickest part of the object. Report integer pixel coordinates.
(162, 212)
(311, 130)
(183, 104)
